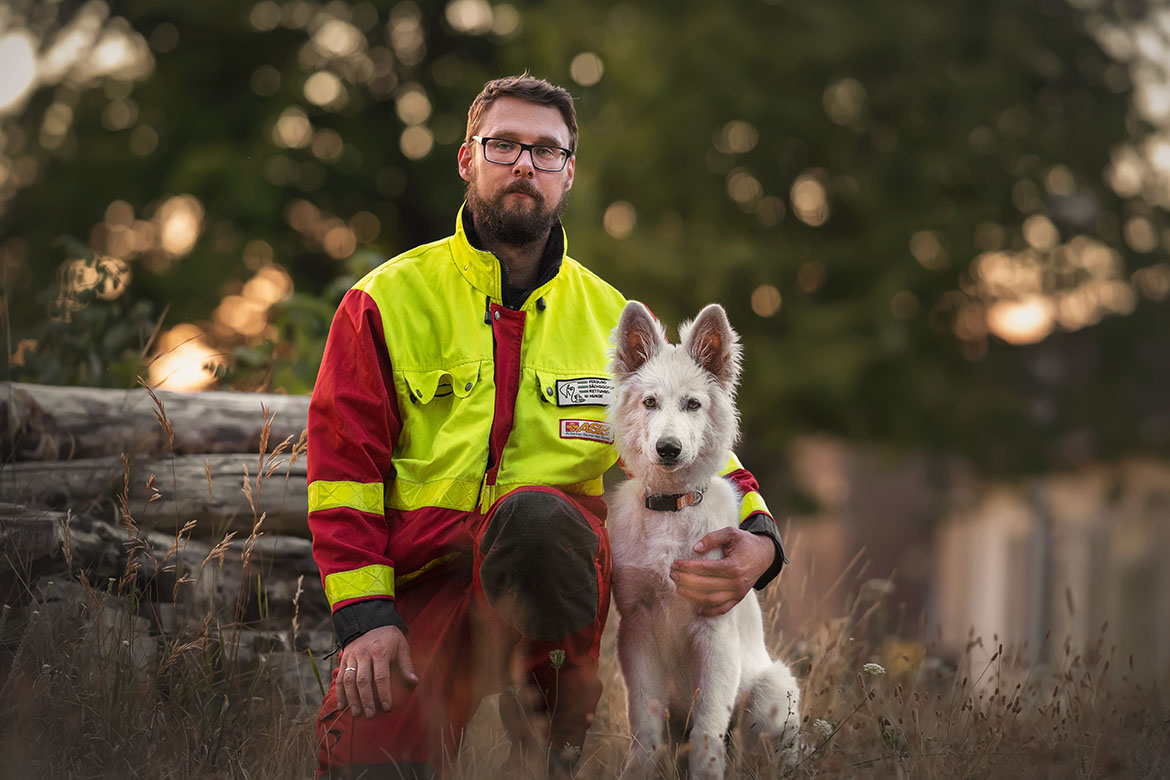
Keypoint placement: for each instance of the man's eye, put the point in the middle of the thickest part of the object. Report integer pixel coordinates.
(504, 146)
(650, 403)
(693, 405)
(545, 153)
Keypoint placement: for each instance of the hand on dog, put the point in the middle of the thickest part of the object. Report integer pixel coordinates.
(374, 654)
(715, 586)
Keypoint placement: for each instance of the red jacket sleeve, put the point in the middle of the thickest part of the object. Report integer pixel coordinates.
(353, 425)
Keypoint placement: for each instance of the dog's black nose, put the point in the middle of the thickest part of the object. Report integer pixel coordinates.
(668, 449)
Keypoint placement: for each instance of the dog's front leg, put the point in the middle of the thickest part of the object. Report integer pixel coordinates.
(646, 693)
(717, 669)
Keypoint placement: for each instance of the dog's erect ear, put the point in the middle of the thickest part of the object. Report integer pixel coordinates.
(637, 338)
(712, 344)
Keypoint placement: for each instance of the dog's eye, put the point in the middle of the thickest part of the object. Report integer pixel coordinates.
(649, 403)
(693, 405)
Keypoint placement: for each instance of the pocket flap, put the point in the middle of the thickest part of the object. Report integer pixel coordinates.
(424, 386)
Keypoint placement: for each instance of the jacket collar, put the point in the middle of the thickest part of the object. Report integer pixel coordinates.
(483, 270)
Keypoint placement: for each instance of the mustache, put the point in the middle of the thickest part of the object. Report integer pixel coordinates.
(525, 188)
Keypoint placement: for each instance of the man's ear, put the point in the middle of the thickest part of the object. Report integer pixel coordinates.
(637, 338)
(712, 344)
(466, 155)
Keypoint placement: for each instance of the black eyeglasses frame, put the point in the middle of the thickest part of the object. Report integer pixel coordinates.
(483, 139)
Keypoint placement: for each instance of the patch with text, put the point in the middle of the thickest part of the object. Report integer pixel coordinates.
(587, 391)
(593, 430)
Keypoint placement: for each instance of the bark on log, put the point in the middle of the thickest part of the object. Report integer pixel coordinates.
(217, 506)
(45, 422)
(38, 538)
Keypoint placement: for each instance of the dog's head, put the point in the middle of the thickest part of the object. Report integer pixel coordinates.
(675, 408)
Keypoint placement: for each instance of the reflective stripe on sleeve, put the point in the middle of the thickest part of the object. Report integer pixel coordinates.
(732, 464)
(375, 580)
(752, 502)
(362, 496)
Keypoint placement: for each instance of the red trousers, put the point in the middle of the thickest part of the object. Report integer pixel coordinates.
(462, 649)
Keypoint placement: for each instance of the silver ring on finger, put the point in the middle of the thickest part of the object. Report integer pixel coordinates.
(351, 668)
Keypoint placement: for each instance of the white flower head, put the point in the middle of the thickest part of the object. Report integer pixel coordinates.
(872, 668)
(823, 727)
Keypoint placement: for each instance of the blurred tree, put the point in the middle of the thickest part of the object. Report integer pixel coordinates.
(911, 210)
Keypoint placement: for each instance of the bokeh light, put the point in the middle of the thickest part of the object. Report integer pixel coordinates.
(586, 69)
(184, 360)
(620, 219)
(470, 17)
(810, 199)
(179, 222)
(766, 300)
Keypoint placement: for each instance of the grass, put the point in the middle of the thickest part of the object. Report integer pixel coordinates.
(138, 676)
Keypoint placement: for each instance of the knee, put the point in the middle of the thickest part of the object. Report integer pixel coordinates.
(539, 568)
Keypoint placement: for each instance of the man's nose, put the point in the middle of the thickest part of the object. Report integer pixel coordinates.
(522, 168)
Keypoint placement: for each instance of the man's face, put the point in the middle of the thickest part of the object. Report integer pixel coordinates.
(516, 204)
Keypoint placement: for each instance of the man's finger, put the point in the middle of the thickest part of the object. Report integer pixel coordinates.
(707, 595)
(365, 687)
(382, 682)
(714, 540)
(350, 685)
(724, 568)
(406, 664)
(339, 691)
(702, 585)
(719, 609)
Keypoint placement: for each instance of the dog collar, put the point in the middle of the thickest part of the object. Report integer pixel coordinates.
(673, 502)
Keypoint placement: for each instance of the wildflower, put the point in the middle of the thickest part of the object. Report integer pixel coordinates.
(823, 727)
(872, 668)
(556, 658)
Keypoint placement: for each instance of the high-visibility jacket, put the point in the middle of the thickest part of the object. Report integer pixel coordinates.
(434, 399)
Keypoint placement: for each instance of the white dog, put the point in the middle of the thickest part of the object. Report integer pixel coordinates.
(674, 422)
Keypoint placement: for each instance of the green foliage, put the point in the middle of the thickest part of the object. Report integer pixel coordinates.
(89, 337)
(700, 127)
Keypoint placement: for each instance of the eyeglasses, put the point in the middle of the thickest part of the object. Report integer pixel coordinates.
(503, 151)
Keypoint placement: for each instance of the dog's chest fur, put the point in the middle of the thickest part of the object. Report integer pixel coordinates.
(645, 542)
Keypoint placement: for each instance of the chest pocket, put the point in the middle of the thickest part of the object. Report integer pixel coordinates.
(426, 386)
(441, 452)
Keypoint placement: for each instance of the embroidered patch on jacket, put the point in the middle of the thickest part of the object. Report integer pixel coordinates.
(592, 430)
(587, 391)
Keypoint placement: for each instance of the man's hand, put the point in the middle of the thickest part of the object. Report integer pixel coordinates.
(367, 663)
(715, 586)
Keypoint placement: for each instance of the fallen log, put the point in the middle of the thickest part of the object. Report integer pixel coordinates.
(46, 422)
(166, 493)
(212, 572)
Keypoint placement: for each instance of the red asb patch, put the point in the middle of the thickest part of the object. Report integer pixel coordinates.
(593, 430)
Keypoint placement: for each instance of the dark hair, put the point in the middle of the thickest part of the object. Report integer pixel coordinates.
(527, 88)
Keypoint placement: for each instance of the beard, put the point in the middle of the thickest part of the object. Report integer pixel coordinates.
(517, 225)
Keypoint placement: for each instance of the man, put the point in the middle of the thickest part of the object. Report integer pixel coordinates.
(457, 440)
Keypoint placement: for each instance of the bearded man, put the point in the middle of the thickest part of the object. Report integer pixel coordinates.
(457, 441)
